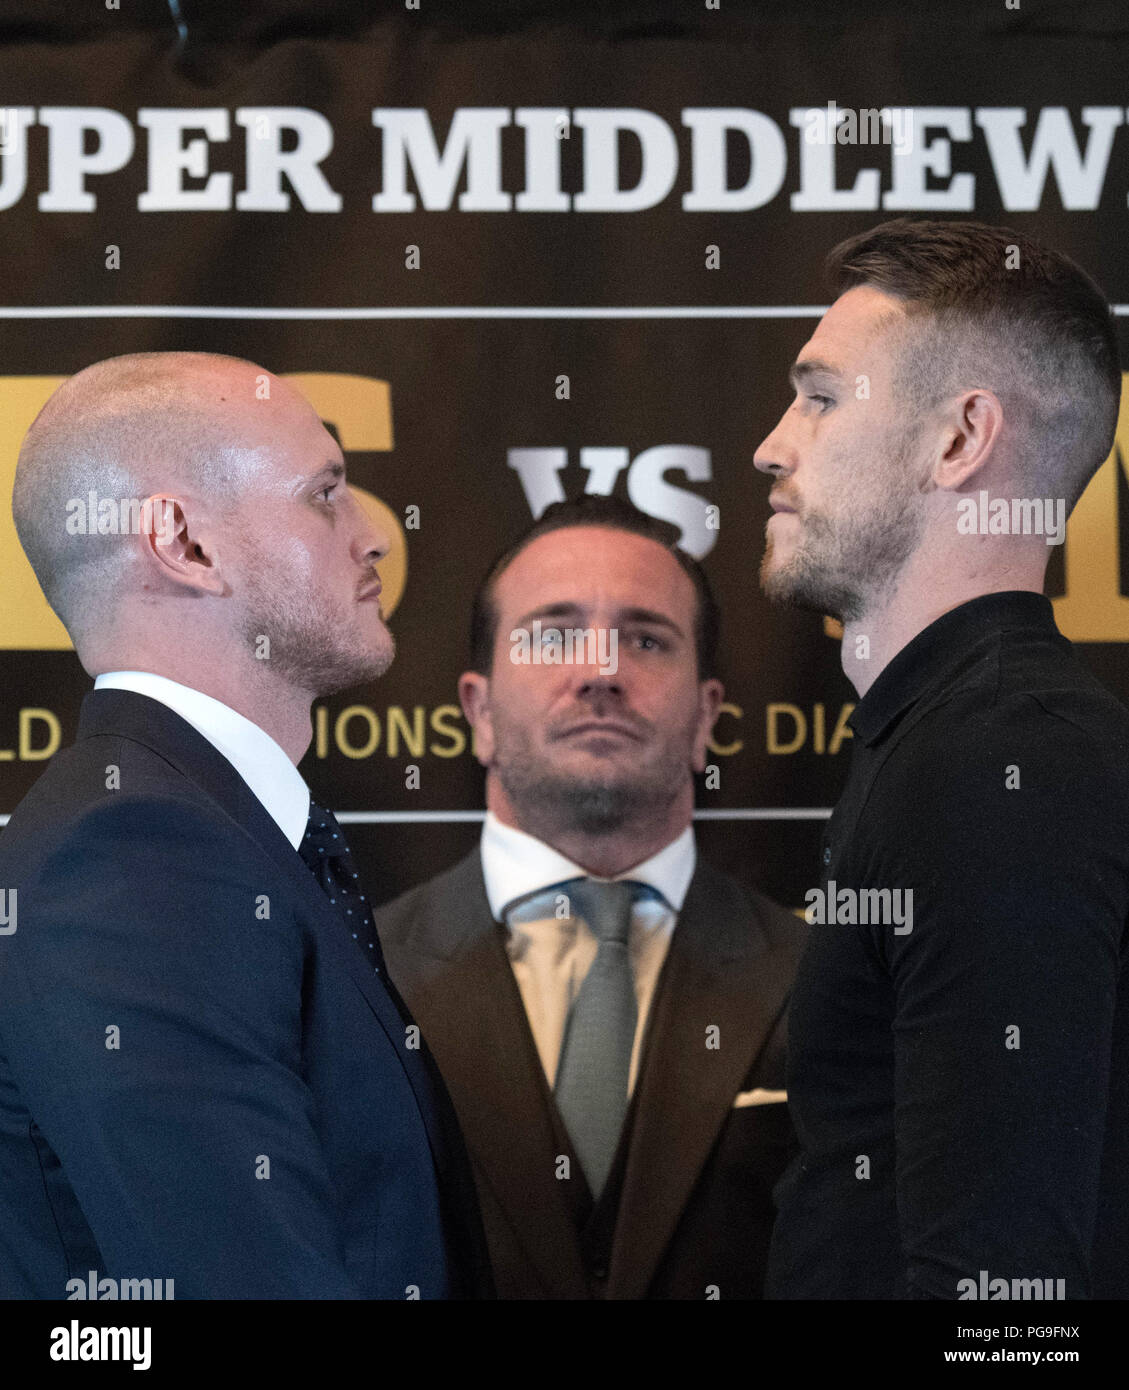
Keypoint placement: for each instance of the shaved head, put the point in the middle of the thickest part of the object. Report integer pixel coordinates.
(245, 548)
(129, 427)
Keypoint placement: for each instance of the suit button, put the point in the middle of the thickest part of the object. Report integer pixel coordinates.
(827, 854)
(599, 1271)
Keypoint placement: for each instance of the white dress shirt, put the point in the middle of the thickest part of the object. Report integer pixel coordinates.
(550, 957)
(257, 758)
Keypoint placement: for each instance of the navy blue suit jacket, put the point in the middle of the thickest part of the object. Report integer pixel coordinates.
(182, 1013)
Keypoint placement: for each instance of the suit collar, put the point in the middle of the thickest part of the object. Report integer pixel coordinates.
(257, 757)
(721, 973)
(472, 1016)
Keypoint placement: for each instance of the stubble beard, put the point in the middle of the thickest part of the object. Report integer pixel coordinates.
(850, 565)
(549, 801)
(312, 648)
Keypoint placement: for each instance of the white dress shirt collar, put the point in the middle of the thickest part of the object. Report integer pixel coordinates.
(258, 759)
(515, 865)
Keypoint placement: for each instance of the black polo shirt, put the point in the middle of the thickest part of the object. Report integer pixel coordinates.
(961, 1088)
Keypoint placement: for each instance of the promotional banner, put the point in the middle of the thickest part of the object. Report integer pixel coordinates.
(567, 253)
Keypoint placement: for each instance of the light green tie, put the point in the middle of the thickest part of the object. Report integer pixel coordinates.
(595, 1060)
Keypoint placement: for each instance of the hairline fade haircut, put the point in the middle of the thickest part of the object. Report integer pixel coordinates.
(611, 514)
(1040, 335)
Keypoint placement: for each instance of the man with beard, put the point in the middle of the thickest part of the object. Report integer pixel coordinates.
(606, 1008)
(959, 1071)
(205, 1077)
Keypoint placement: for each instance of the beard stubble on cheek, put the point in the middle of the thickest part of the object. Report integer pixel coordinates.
(314, 644)
(843, 565)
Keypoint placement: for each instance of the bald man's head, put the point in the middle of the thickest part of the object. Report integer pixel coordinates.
(126, 428)
(254, 534)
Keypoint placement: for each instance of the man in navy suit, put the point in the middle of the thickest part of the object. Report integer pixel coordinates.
(205, 1075)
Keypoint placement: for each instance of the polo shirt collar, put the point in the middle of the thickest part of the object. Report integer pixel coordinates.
(938, 650)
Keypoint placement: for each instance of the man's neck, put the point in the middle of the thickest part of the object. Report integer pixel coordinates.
(603, 854)
(871, 642)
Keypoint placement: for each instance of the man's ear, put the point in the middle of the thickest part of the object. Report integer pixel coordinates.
(971, 425)
(710, 695)
(176, 549)
(474, 696)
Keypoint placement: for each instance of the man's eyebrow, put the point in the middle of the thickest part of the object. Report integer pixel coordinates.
(561, 609)
(333, 467)
(809, 367)
(649, 616)
(565, 609)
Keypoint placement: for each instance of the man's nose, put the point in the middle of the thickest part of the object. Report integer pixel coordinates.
(774, 454)
(371, 542)
(593, 683)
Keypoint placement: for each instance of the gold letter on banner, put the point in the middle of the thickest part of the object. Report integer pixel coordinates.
(359, 408)
(1093, 609)
(26, 621)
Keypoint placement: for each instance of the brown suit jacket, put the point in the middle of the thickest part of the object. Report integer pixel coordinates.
(687, 1212)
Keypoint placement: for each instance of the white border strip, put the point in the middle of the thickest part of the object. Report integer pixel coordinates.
(454, 817)
(196, 311)
(424, 817)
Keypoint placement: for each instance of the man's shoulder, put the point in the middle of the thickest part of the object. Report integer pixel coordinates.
(1076, 737)
(456, 889)
(1036, 704)
(109, 801)
(90, 780)
(162, 880)
(1032, 687)
(746, 911)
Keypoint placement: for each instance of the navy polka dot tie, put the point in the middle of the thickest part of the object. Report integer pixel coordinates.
(326, 854)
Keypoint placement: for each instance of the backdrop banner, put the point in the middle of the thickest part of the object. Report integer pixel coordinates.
(518, 257)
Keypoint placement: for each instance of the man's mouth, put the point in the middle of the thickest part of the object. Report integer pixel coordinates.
(370, 591)
(599, 726)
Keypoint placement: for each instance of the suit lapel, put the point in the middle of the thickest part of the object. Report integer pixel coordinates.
(719, 973)
(471, 1013)
(124, 713)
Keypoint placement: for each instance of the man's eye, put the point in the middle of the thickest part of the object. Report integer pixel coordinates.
(325, 491)
(656, 644)
(822, 401)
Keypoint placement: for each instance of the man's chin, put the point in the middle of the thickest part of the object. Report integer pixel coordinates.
(600, 805)
(798, 589)
(356, 670)
(583, 793)
(781, 584)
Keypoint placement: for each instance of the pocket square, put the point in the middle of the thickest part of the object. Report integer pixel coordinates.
(759, 1096)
